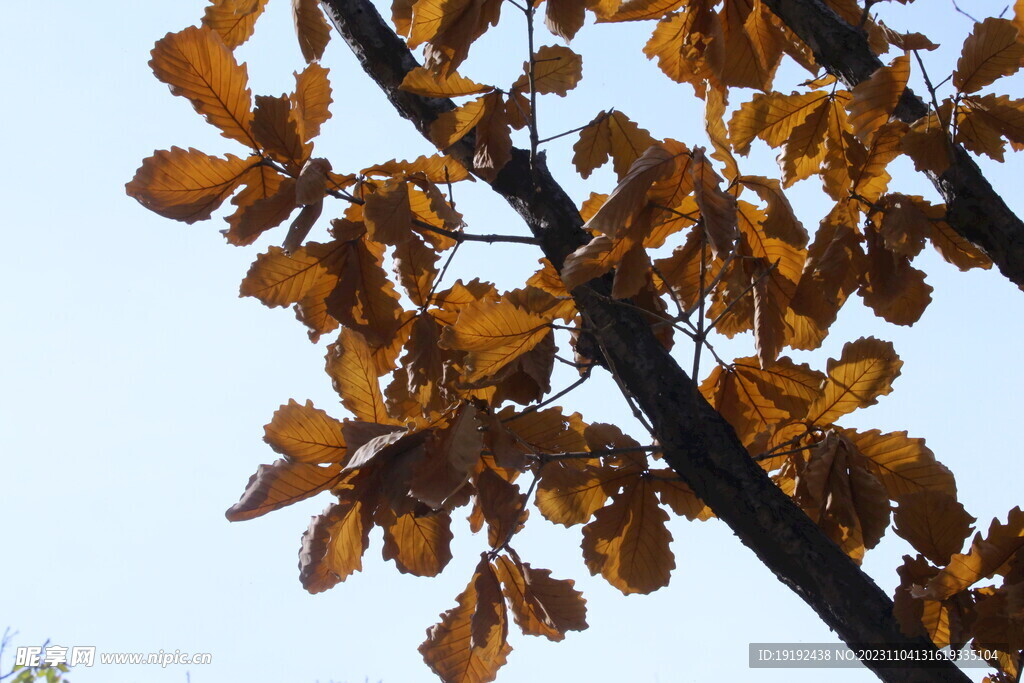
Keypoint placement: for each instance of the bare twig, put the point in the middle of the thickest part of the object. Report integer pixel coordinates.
(554, 397)
(531, 75)
(590, 455)
(596, 121)
(610, 364)
(957, 8)
(746, 290)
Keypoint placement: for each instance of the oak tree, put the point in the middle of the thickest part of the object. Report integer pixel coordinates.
(446, 385)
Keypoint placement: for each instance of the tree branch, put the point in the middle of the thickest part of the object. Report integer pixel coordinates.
(697, 442)
(974, 209)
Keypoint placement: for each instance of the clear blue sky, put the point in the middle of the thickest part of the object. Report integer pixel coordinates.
(136, 383)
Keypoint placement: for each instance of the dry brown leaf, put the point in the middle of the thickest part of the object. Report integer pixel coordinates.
(934, 523)
(311, 28)
(280, 484)
(306, 434)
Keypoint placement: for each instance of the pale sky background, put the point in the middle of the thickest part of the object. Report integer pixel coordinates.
(136, 383)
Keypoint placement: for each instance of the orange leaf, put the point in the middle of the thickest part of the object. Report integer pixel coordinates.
(234, 20)
(305, 434)
(279, 279)
(420, 546)
(494, 334)
(934, 522)
(276, 127)
(630, 194)
(449, 649)
(875, 99)
(610, 134)
(541, 606)
(333, 546)
(501, 504)
(771, 117)
(354, 375)
(387, 213)
(493, 139)
(864, 372)
(311, 100)
(680, 497)
(187, 185)
(267, 200)
(902, 464)
(364, 298)
(990, 52)
(311, 28)
(986, 557)
(627, 542)
(717, 209)
(569, 492)
(557, 70)
(565, 17)
(427, 83)
(279, 485)
(197, 65)
(452, 126)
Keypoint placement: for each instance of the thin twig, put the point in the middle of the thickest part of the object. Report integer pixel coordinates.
(753, 283)
(596, 121)
(957, 8)
(701, 332)
(520, 518)
(554, 397)
(769, 456)
(532, 77)
(440, 276)
(714, 283)
(590, 455)
(618, 382)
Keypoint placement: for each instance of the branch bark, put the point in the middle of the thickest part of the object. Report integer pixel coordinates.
(973, 208)
(697, 442)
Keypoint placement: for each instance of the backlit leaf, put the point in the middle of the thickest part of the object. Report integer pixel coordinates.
(305, 434)
(311, 28)
(233, 20)
(934, 522)
(541, 606)
(864, 371)
(557, 70)
(354, 375)
(424, 82)
(494, 334)
(627, 542)
(449, 650)
(986, 557)
(420, 546)
(333, 546)
(990, 52)
(187, 185)
(197, 65)
(276, 128)
(875, 98)
(902, 464)
(312, 99)
(452, 126)
(279, 485)
(279, 279)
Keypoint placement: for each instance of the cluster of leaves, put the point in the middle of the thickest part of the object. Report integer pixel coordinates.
(463, 414)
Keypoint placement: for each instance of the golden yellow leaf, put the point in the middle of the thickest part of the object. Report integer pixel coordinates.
(311, 28)
(449, 649)
(501, 504)
(680, 497)
(593, 259)
(771, 117)
(416, 267)
(986, 557)
(354, 375)
(781, 221)
(610, 134)
(388, 214)
(803, 153)
(870, 179)
(451, 456)
(955, 249)
(875, 98)
(688, 46)
(557, 70)
(990, 52)
(437, 168)
(628, 543)
(846, 500)
(364, 298)
(934, 523)
(267, 199)
(280, 279)
(565, 17)
(637, 10)
(281, 484)
(187, 185)
(450, 27)
(714, 125)
(452, 126)
(928, 144)
(427, 83)
(717, 209)
(902, 464)
(541, 606)
(234, 20)
(493, 139)
(333, 546)
(306, 434)
(783, 385)
(630, 195)
(990, 116)
(546, 431)
(311, 100)
(197, 65)
(864, 371)
(494, 334)
(419, 545)
(751, 47)
(276, 127)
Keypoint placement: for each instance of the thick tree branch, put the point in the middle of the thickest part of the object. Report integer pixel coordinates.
(974, 209)
(697, 442)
